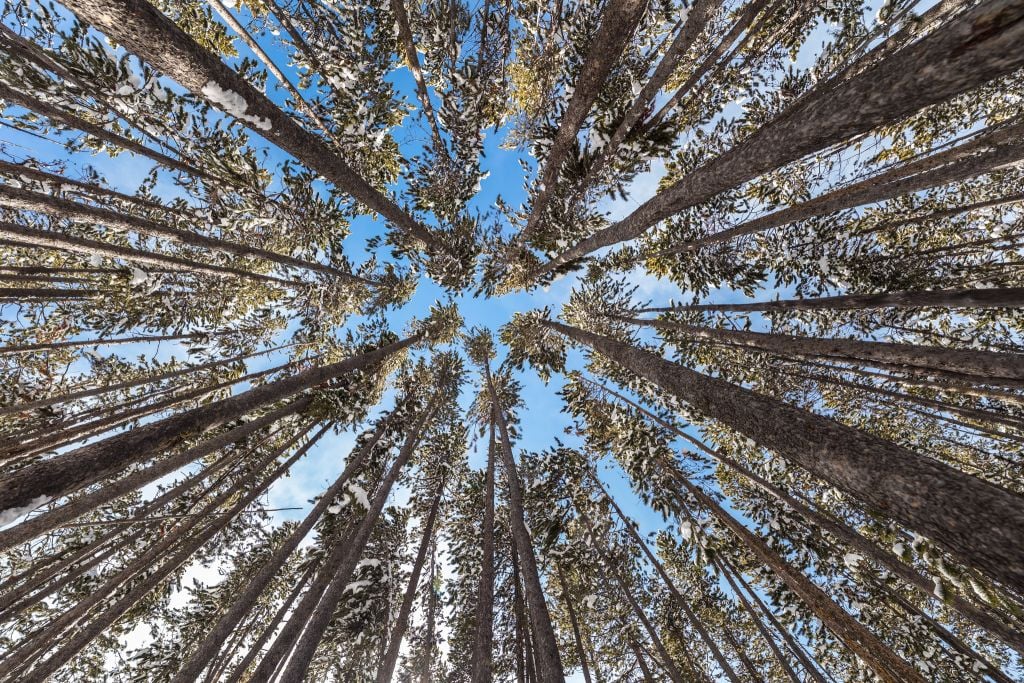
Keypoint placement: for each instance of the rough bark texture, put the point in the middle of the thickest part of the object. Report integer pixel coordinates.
(144, 31)
(574, 622)
(59, 475)
(977, 522)
(986, 366)
(387, 668)
(618, 22)
(483, 643)
(549, 661)
(982, 44)
(1005, 297)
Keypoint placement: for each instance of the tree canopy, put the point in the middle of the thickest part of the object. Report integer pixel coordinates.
(617, 340)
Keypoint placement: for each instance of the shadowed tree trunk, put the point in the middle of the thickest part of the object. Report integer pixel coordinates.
(483, 642)
(976, 47)
(59, 475)
(302, 633)
(1005, 297)
(970, 518)
(549, 662)
(987, 366)
(140, 28)
(577, 637)
(247, 598)
(387, 669)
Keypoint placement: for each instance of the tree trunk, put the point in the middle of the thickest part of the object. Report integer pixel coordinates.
(40, 524)
(619, 20)
(387, 669)
(483, 642)
(970, 518)
(78, 343)
(317, 607)
(974, 48)
(1008, 297)
(412, 60)
(59, 475)
(248, 596)
(549, 663)
(850, 537)
(49, 239)
(984, 153)
(666, 660)
(567, 599)
(992, 367)
(141, 28)
(111, 614)
(17, 198)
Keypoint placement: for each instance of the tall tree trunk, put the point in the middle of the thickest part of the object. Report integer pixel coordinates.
(974, 48)
(619, 20)
(987, 366)
(1006, 297)
(983, 153)
(59, 475)
(387, 669)
(427, 665)
(666, 660)
(848, 536)
(306, 626)
(412, 60)
(970, 518)
(50, 239)
(641, 661)
(483, 642)
(270, 569)
(140, 28)
(80, 505)
(192, 543)
(78, 343)
(577, 636)
(18, 198)
(549, 662)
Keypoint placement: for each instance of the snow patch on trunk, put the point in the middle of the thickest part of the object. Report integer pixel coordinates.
(232, 103)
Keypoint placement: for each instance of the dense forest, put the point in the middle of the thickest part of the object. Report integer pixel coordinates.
(625, 340)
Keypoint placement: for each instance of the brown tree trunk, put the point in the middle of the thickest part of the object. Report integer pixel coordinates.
(970, 518)
(987, 366)
(577, 636)
(483, 642)
(848, 536)
(666, 660)
(1007, 297)
(619, 20)
(82, 637)
(248, 596)
(317, 607)
(59, 475)
(387, 668)
(78, 343)
(549, 662)
(140, 28)
(412, 60)
(39, 524)
(17, 198)
(49, 239)
(974, 48)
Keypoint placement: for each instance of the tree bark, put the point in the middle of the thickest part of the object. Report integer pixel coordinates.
(50, 239)
(17, 198)
(577, 636)
(84, 636)
(987, 366)
(974, 48)
(140, 28)
(1005, 297)
(483, 642)
(247, 598)
(412, 60)
(549, 662)
(619, 20)
(338, 568)
(970, 518)
(59, 475)
(387, 669)
(848, 536)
